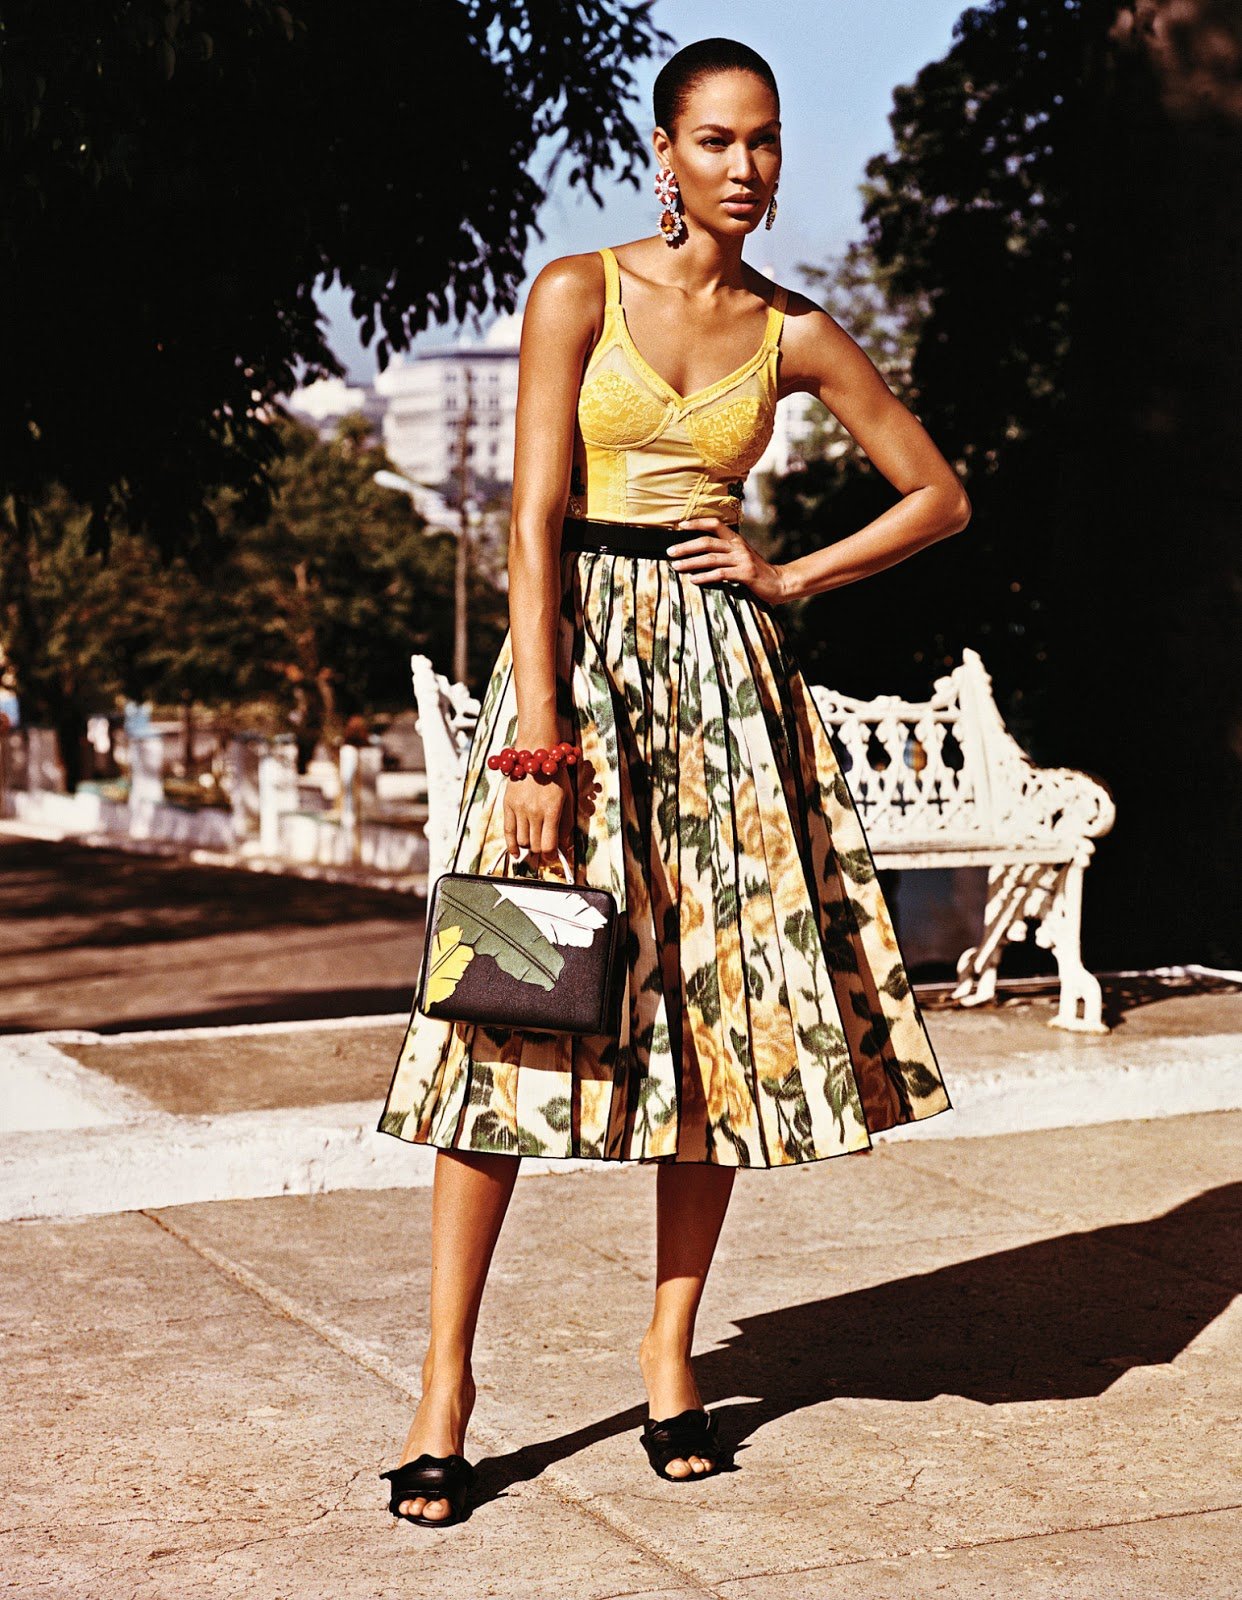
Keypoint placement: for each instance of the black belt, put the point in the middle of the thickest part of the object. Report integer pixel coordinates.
(623, 538)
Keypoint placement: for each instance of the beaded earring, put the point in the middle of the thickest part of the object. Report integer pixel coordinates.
(772, 207)
(669, 194)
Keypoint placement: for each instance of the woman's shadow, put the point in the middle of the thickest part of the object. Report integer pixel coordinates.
(1060, 1319)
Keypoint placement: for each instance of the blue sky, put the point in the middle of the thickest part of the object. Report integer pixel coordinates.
(836, 62)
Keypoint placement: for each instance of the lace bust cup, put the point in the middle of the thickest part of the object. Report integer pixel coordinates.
(643, 452)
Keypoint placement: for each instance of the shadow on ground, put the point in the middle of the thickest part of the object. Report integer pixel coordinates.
(1060, 1319)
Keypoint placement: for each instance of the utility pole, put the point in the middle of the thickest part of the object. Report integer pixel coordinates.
(463, 537)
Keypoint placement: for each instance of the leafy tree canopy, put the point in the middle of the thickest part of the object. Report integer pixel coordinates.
(176, 176)
(1059, 222)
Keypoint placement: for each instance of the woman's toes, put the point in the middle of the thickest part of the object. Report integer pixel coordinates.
(423, 1507)
(677, 1468)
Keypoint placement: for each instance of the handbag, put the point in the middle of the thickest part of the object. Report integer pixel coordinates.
(528, 953)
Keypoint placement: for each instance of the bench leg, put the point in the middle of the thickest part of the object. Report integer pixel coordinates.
(978, 966)
(1061, 932)
(1050, 897)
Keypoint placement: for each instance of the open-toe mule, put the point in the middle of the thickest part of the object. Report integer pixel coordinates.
(689, 1433)
(434, 1478)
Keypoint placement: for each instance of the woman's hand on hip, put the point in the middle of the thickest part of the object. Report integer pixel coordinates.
(719, 552)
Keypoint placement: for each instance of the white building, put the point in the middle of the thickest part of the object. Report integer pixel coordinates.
(428, 393)
(422, 397)
(325, 401)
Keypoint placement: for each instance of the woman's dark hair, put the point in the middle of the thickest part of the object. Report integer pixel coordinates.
(687, 69)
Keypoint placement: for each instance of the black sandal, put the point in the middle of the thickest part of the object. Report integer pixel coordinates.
(434, 1478)
(689, 1433)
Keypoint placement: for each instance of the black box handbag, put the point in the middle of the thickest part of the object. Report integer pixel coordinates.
(529, 953)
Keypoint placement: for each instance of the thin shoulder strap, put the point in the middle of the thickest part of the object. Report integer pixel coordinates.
(612, 277)
(776, 314)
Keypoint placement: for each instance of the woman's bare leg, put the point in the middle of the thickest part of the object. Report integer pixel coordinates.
(469, 1199)
(691, 1201)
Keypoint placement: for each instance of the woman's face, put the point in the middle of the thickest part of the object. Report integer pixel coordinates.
(727, 144)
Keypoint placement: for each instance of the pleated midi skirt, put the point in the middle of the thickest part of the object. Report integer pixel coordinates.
(768, 1019)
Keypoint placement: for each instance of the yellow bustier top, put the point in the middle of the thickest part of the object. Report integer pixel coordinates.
(643, 452)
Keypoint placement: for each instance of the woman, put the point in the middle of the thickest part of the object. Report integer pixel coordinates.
(768, 1018)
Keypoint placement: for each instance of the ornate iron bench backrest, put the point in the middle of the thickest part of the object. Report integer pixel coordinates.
(924, 774)
(946, 771)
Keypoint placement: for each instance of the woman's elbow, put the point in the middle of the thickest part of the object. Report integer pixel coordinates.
(959, 512)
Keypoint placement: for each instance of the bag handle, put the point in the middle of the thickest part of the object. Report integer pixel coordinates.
(525, 849)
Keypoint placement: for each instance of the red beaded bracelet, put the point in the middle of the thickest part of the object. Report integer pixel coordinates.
(515, 763)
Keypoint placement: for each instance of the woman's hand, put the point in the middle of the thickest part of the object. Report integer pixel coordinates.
(723, 552)
(535, 809)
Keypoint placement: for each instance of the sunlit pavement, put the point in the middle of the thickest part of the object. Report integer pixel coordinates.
(1001, 1366)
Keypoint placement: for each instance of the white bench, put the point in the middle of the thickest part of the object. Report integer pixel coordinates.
(937, 783)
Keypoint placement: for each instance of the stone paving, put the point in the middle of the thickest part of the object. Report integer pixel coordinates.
(982, 1367)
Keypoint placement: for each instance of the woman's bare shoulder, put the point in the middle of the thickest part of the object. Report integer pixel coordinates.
(570, 282)
(814, 345)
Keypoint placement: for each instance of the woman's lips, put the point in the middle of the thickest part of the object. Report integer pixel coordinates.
(743, 204)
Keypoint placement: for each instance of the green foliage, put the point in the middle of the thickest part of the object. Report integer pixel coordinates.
(1049, 280)
(315, 607)
(176, 178)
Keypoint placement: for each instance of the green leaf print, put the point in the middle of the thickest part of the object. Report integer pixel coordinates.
(896, 984)
(490, 1133)
(529, 1144)
(793, 1115)
(922, 1080)
(857, 864)
(502, 930)
(736, 1140)
(800, 928)
(703, 990)
(482, 1085)
(557, 1113)
(746, 698)
(876, 1036)
(393, 1122)
(827, 1043)
(652, 1109)
(696, 835)
(726, 904)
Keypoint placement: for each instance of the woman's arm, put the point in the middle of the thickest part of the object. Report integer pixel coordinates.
(818, 357)
(558, 328)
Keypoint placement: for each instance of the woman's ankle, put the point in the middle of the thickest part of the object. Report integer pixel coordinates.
(664, 1344)
(447, 1371)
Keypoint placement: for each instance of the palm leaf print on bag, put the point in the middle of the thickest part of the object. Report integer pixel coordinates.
(450, 957)
(565, 919)
(496, 928)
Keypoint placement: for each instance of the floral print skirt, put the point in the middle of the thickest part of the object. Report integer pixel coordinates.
(768, 1018)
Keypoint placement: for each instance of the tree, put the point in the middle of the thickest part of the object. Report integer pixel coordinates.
(1060, 211)
(313, 608)
(176, 179)
(340, 583)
